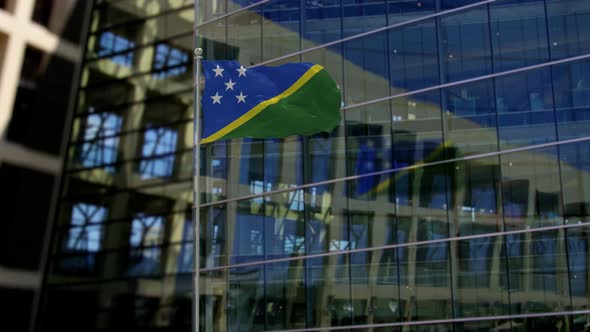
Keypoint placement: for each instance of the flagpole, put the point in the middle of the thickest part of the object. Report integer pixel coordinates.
(196, 191)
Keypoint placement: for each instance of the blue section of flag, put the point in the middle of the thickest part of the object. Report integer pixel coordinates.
(232, 90)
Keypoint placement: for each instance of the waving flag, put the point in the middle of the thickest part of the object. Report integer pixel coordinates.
(267, 102)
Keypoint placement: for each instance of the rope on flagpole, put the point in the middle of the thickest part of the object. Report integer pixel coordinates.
(196, 190)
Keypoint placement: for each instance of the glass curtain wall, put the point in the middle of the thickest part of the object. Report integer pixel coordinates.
(452, 197)
(455, 181)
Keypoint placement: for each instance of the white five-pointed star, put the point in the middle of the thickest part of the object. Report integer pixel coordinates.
(241, 98)
(242, 71)
(218, 71)
(229, 85)
(216, 98)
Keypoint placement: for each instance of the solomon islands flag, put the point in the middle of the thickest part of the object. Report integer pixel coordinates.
(267, 102)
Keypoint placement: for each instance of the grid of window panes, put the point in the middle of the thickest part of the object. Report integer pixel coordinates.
(121, 248)
(480, 107)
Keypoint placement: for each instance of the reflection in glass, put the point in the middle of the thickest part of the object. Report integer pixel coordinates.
(100, 146)
(146, 235)
(361, 16)
(525, 115)
(427, 294)
(470, 119)
(531, 189)
(465, 45)
(366, 59)
(575, 175)
(285, 295)
(111, 43)
(578, 248)
(243, 31)
(246, 302)
(519, 34)
(478, 274)
(280, 28)
(537, 270)
(84, 237)
(476, 196)
(158, 146)
(568, 27)
(369, 149)
(571, 82)
(413, 57)
(417, 130)
(400, 11)
(321, 22)
(171, 59)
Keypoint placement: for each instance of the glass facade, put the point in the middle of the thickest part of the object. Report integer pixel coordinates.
(453, 196)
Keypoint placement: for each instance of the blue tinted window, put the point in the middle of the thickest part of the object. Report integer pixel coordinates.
(432, 259)
(471, 118)
(84, 238)
(146, 234)
(100, 146)
(169, 61)
(572, 98)
(363, 15)
(450, 4)
(475, 258)
(519, 34)
(85, 233)
(465, 45)
(413, 57)
(185, 256)
(158, 148)
(569, 27)
(366, 61)
(110, 43)
(321, 22)
(578, 250)
(525, 108)
(404, 10)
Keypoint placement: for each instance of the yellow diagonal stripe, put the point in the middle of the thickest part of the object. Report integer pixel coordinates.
(434, 154)
(260, 107)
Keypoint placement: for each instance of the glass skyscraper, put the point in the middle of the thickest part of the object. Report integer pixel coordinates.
(454, 195)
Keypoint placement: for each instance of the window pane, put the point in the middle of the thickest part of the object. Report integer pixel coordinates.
(525, 109)
(243, 31)
(417, 129)
(362, 16)
(465, 49)
(158, 146)
(280, 28)
(569, 25)
(84, 238)
(400, 11)
(572, 98)
(470, 119)
(537, 270)
(519, 34)
(413, 57)
(369, 149)
(531, 189)
(100, 147)
(321, 22)
(366, 61)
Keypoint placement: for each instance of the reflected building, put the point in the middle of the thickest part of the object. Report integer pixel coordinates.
(452, 196)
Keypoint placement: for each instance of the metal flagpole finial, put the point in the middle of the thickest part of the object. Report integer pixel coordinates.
(198, 53)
